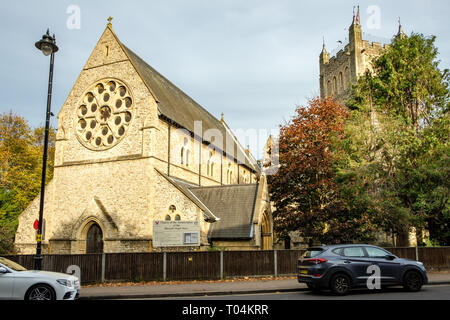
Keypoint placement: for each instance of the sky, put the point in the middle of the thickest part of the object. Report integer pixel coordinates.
(255, 61)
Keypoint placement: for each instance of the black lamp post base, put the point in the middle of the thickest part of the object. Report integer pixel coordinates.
(37, 262)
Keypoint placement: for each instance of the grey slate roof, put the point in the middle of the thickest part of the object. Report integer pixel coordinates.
(230, 207)
(177, 106)
(234, 205)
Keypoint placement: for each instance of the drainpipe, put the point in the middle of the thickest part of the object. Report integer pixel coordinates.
(168, 150)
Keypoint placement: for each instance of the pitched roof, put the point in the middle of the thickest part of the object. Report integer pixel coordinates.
(177, 106)
(184, 188)
(230, 207)
(234, 204)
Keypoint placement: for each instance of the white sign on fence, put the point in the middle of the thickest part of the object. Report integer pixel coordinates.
(176, 233)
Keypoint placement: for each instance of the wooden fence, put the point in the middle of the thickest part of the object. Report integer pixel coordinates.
(166, 266)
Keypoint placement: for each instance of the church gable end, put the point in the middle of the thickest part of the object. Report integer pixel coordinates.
(107, 50)
(103, 116)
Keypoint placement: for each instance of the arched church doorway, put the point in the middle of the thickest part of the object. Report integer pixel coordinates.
(94, 239)
(266, 233)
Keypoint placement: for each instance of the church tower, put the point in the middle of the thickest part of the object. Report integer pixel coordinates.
(339, 71)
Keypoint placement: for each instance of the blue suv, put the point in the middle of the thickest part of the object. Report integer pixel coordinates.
(342, 267)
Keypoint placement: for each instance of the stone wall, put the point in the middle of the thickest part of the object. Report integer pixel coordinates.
(187, 167)
(336, 73)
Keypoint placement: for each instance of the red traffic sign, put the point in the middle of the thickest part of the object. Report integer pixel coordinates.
(36, 224)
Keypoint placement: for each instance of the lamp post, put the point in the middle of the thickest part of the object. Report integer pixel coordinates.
(48, 47)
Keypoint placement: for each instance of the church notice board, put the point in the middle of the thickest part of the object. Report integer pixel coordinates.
(176, 233)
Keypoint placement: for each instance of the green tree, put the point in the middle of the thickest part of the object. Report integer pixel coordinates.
(424, 179)
(21, 150)
(402, 112)
(408, 80)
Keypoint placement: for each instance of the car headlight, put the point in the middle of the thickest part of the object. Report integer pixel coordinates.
(421, 266)
(65, 282)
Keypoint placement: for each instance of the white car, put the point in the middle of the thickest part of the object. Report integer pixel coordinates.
(18, 283)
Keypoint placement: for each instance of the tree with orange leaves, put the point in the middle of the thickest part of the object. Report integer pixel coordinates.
(304, 190)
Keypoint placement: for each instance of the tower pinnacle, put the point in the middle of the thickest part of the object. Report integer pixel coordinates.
(400, 32)
(324, 49)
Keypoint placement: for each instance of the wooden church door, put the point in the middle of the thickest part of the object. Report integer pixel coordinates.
(94, 239)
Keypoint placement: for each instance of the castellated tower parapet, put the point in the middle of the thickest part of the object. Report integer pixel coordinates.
(340, 71)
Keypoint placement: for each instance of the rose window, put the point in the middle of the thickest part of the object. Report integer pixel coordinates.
(104, 114)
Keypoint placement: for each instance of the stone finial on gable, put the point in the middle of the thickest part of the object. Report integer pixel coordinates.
(109, 25)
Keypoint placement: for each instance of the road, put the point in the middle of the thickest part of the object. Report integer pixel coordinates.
(435, 292)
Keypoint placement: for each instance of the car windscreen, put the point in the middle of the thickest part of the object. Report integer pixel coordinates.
(312, 252)
(11, 264)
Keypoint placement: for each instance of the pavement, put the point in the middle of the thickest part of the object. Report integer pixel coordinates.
(209, 288)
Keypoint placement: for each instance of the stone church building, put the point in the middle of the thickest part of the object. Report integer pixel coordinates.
(131, 149)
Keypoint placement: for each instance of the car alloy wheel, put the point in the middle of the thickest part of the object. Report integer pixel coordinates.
(340, 284)
(413, 281)
(40, 292)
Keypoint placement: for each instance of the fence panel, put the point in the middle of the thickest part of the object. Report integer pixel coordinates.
(25, 260)
(287, 261)
(435, 258)
(133, 267)
(90, 265)
(193, 265)
(403, 252)
(199, 265)
(248, 263)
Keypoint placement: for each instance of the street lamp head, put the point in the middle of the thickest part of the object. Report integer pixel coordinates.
(47, 44)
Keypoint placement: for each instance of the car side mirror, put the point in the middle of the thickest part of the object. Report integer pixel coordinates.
(389, 257)
(3, 270)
